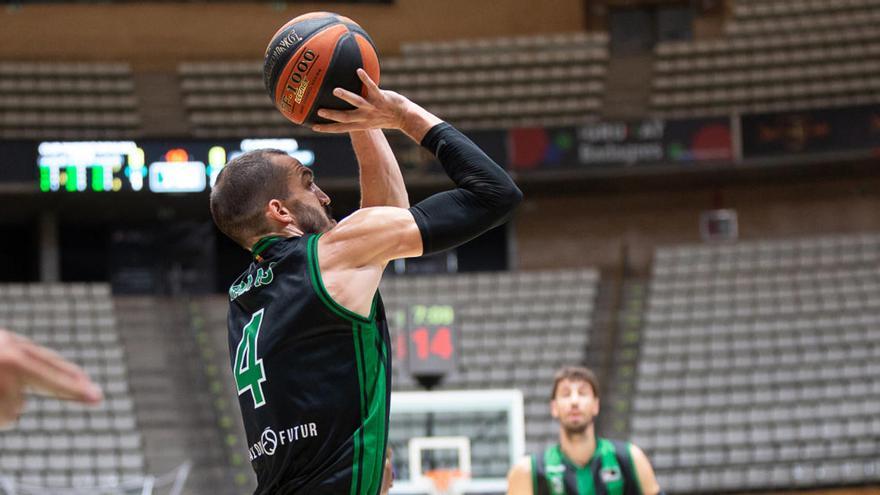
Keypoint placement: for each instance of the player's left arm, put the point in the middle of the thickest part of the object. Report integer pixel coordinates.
(380, 178)
(519, 478)
(644, 471)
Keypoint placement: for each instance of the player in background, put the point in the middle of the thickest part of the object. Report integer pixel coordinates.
(582, 463)
(25, 366)
(388, 472)
(308, 336)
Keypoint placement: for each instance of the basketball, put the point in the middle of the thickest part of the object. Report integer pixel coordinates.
(309, 57)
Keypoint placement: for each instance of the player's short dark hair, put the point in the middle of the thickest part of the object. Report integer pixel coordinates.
(243, 187)
(575, 373)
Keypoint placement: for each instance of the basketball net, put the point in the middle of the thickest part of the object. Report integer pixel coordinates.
(443, 480)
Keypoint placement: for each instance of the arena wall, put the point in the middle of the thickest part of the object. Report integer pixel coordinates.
(606, 224)
(159, 35)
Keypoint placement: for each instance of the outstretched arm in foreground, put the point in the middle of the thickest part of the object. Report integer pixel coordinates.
(25, 366)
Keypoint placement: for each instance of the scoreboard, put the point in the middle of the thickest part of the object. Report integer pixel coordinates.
(192, 165)
(159, 167)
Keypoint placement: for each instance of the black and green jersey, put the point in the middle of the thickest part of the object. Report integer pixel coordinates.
(313, 378)
(609, 472)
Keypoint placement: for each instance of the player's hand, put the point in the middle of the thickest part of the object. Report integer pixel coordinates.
(26, 367)
(378, 109)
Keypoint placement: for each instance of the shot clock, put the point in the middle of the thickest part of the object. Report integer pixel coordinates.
(431, 347)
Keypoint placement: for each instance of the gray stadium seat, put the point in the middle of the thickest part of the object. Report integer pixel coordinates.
(60, 444)
(764, 350)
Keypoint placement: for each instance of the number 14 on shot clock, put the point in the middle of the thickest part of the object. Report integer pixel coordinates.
(431, 340)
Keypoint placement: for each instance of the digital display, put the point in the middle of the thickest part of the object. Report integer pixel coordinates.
(178, 177)
(76, 166)
(431, 340)
(125, 165)
(112, 166)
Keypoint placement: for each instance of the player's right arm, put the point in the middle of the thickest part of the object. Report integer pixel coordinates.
(519, 478)
(352, 256)
(484, 197)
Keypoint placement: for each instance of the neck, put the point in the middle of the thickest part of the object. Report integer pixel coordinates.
(287, 231)
(578, 447)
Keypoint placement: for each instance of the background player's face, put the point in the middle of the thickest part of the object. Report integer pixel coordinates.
(308, 203)
(575, 405)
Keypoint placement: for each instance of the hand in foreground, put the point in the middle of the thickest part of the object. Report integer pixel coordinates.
(379, 109)
(26, 366)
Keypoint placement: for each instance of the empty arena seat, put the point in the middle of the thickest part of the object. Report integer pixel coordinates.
(776, 55)
(505, 82)
(761, 353)
(498, 82)
(67, 100)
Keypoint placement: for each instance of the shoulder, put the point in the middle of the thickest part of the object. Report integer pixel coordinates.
(368, 220)
(638, 455)
(519, 478)
(644, 470)
(371, 236)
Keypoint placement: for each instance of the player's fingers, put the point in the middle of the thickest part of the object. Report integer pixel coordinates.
(343, 116)
(371, 85)
(64, 387)
(48, 357)
(342, 127)
(52, 375)
(11, 399)
(351, 98)
(27, 352)
(10, 410)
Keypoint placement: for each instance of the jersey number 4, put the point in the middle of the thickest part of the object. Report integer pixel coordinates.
(248, 369)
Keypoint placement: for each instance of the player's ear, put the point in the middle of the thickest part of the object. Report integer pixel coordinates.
(276, 212)
(596, 407)
(554, 409)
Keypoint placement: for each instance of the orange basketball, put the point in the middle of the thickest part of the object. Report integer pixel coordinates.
(309, 57)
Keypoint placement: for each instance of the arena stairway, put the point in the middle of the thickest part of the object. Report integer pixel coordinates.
(172, 397)
(628, 87)
(619, 381)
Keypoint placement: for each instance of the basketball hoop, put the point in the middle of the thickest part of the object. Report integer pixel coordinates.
(443, 480)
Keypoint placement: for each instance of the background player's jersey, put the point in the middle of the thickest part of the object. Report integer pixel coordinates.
(313, 378)
(609, 472)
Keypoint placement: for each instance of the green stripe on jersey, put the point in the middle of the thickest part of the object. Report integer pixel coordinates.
(359, 468)
(370, 349)
(375, 436)
(534, 475)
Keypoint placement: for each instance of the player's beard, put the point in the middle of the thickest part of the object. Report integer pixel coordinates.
(312, 220)
(577, 428)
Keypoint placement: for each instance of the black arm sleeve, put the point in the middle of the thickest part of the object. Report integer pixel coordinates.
(484, 198)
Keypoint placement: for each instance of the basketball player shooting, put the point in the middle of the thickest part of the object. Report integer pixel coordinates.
(308, 336)
(582, 463)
